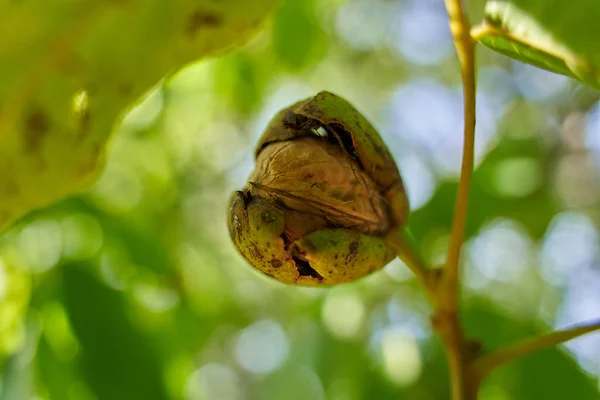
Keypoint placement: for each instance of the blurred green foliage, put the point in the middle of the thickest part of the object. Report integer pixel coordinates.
(133, 290)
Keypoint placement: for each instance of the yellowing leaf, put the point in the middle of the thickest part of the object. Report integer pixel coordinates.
(69, 68)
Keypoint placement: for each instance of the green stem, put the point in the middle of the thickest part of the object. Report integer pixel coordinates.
(465, 48)
(486, 363)
(404, 246)
(447, 322)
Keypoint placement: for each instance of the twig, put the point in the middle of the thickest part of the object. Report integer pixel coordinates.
(465, 49)
(466, 370)
(400, 241)
(486, 363)
(446, 320)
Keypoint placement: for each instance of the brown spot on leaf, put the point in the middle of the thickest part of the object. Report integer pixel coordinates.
(87, 166)
(84, 124)
(200, 19)
(36, 127)
(275, 263)
(353, 252)
(9, 188)
(125, 89)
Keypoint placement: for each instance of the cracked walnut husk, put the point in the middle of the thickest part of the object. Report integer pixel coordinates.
(324, 193)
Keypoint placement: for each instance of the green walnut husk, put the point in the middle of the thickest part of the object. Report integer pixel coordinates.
(323, 195)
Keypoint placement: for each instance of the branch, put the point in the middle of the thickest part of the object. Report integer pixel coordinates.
(446, 320)
(465, 49)
(490, 361)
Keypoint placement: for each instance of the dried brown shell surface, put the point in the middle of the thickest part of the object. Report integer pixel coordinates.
(352, 132)
(311, 176)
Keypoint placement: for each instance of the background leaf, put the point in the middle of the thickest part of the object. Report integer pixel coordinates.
(116, 357)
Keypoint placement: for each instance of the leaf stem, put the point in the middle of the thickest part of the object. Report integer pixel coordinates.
(484, 29)
(486, 363)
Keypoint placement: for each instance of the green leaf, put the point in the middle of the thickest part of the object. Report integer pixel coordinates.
(68, 69)
(555, 35)
(116, 358)
(55, 374)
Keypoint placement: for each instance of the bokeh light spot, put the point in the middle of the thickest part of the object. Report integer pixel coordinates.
(155, 298)
(419, 45)
(216, 147)
(592, 132)
(428, 116)
(576, 180)
(82, 236)
(517, 177)
(363, 23)
(401, 357)
(3, 280)
(592, 127)
(571, 242)
(262, 347)
(536, 83)
(41, 244)
(502, 251)
(418, 179)
(401, 314)
(343, 314)
(214, 381)
(498, 82)
(581, 303)
(119, 188)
